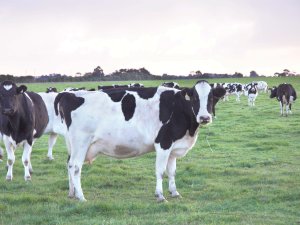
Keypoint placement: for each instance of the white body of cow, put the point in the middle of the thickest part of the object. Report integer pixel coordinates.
(98, 127)
(262, 86)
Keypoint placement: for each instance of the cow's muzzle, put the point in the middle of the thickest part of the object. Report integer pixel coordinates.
(7, 112)
(205, 120)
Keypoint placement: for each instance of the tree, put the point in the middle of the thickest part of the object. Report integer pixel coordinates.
(98, 72)
(253, 74)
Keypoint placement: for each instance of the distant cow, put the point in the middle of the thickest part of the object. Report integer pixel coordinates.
(171, 85)
(23, 118)
(51, 89)
(105, 87)
(286, 95)
(252, 92)
(135, 85)
(74, 89)
(262, 86)
(128, 123)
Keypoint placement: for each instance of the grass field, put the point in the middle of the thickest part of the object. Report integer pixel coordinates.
(244, 169)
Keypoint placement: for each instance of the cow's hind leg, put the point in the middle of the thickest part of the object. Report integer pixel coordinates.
(162, 157)
(26, 161)
(171, 171)
(51, 143)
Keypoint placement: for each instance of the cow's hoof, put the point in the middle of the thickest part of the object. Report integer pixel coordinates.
(81, 199)
(9, 178)
(161, 199)
(176, 195)
(50, 158)
(27, 178)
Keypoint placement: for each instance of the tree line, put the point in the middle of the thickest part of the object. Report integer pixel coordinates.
(126, 74)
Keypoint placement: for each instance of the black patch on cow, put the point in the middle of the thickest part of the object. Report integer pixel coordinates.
(115, 94)
(128, 106)
(145, 93)
(166, 105)
(68, 102)
(177, 117)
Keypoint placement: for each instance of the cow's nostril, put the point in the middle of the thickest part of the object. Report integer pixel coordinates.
(204, 119)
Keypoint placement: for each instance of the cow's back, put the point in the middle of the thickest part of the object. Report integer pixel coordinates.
(40, 113)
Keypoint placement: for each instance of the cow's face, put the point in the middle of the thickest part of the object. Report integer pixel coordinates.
(201, 98)
(8, 97)
(273, 92)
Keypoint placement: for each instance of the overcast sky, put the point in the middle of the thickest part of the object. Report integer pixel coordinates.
(164, 36)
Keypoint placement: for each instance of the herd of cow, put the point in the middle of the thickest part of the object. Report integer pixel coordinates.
(134, 120)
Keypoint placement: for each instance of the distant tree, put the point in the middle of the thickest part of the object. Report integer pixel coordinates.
(253, 74)
(237, 75)
(198, 73)
(98, 72)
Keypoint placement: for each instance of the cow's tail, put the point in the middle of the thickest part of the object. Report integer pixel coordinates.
(57, 100)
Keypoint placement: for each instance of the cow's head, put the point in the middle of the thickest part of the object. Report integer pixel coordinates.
(9, 92)
(203, 98)
(273, 92)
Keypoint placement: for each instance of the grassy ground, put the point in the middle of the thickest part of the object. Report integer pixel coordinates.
(244, 169)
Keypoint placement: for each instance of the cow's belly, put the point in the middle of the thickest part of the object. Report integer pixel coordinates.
(129, 149)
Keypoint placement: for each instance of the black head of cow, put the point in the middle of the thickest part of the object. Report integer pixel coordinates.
(273, 92)
(9, 93)
(203, 99)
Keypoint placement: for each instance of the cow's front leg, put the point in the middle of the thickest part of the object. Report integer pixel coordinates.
(10, 160)
(162, 157)
(171, 171)
(26, 161)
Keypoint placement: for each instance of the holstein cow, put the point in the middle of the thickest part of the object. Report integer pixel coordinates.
(252, 93)
(51, 89)
(170, 84)
(23, 119)
(286, 95)
(116, 123)
(262, 86)
(54, 126)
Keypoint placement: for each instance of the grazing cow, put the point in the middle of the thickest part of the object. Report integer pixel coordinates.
(116, 123)
(262, 86)
(23, 118)
(135, 85)
(251, 93)
(286, 95)
(170, 85)
(74, 89)
(51, 89)
(235, 88)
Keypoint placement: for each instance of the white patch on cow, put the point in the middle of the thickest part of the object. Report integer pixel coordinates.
(7, 87)
(28, 97)
(203, 90)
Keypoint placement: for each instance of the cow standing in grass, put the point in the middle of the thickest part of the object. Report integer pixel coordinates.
(286, 95)
(23, 118)
(129, 123)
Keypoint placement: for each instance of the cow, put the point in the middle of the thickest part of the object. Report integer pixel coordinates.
(23, 118)
(128, 123)
(286, 95)
(51, 89)
(54, 126)
(252, 92)
(74, 89)
(135, 85)
(262, 86)
(170, 85)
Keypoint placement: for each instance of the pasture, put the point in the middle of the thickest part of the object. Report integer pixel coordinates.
(244, 169)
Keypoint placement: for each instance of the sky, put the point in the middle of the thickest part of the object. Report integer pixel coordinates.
(174, 37)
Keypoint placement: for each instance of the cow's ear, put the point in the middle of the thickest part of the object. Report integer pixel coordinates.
(187, 93)
(218, 92)
(21, 89)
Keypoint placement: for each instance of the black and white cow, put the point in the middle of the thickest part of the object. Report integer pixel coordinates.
(252, 92)
(116, 123)
(170, 85)
(74, 89)
(286, 95)
(23, 118)
(51, 89)
(135, 85)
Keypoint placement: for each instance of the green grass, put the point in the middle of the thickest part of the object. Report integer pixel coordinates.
(244, 169)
